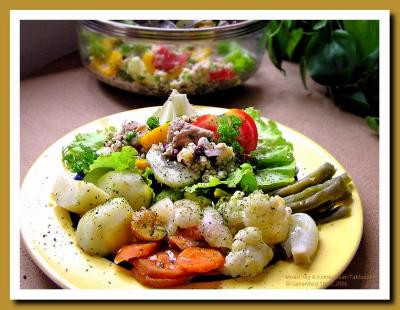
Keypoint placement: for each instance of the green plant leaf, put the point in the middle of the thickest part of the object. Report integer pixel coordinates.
(319, 25)
(294, 39)
(275, 53)
(331, 57)
(303, 71)
(278, 34)
(365, 34)
(370, 63)
(373, 123)
(351, 99)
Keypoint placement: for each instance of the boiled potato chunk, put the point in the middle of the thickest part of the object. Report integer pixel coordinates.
(106, 228)
(128, 185)
(77, 196)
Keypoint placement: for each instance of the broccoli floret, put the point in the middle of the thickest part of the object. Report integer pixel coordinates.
(153, 122)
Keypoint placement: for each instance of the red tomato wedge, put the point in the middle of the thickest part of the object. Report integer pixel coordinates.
(200, 260)
(223, 74)
(210, 122)
(248, 134)
(135, 250)
(158, 282)
(166, 60)
(161, 265)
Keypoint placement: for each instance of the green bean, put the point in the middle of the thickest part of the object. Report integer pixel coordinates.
(323, 173)
(318, 211)
(333, 214)
(309, 191)
(332, 192)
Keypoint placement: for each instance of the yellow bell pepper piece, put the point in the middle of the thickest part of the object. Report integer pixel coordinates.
(157, 135)
(174, 73)
(108, 68)
(200, 54)
(147, 59)
(115, 59)
(142, 164)
(108, 44)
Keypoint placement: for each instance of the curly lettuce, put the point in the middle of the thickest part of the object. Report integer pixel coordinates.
(273, 157)
(81, 153)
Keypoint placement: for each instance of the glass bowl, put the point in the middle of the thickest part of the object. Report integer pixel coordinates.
(153, 61)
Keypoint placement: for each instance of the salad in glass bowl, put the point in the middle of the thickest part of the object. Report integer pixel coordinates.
(150, 59)
(183, 197)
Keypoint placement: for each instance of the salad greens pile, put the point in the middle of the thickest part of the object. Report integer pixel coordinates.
(81, 153)
(270, 166)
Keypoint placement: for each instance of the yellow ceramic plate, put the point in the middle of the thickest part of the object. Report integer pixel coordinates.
(50, 238)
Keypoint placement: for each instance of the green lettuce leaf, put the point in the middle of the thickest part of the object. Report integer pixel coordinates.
(242, 176)
(272, 149)
(123, 160)
(269, 179)
(273, 158)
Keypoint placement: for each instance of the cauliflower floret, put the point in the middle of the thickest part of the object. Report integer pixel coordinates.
(187, 213)
(269, 214)
(249, 254)
(213, 229)
(232, 212)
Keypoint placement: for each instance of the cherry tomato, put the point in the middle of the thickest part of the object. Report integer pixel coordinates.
(248, 136)
(168, 61)
(223, 74)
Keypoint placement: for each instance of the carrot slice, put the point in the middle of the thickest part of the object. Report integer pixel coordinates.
(181, 242)
(161, 265)
(134, 250)
(191, 233)
(158, 282)
(200, 260)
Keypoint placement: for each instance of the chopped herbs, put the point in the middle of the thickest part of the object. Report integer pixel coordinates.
(125, 75)
(130, 135)
(157, 78)
(228, 130)
(78, 158)
(153, 122)
(133, 48)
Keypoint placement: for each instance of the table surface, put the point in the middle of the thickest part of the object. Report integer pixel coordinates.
(64, 96)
